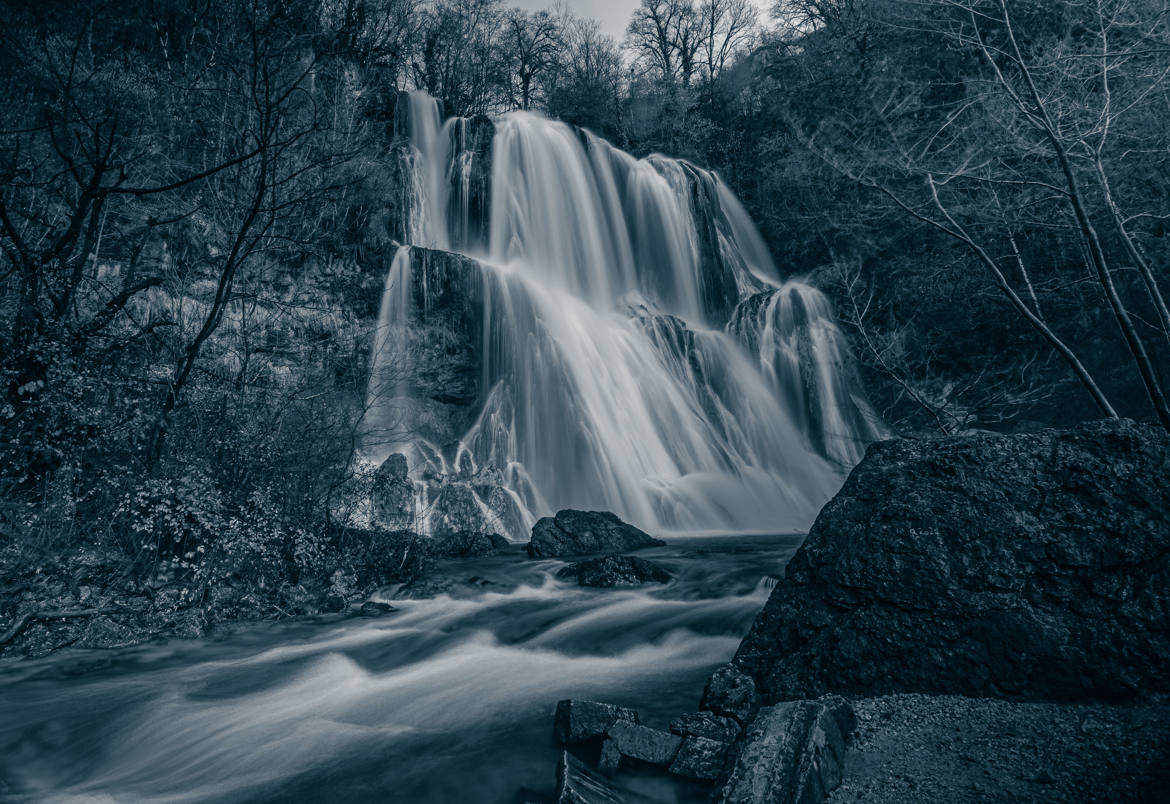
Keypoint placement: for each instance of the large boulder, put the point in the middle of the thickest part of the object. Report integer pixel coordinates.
(793, 752)
(1018, 566)
(614, 571)
(574, 533)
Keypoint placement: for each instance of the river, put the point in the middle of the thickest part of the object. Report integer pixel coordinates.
(448, 699)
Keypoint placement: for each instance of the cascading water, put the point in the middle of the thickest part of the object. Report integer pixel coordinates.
(622, 340)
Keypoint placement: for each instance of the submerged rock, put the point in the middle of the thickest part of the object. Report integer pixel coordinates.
(792, 752)
(374, 608)
(577, 722)
(730, 693)
(615, 571)
(573, 533)
(1026, 566)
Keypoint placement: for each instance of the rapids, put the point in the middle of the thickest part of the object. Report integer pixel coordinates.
(445, 700)
(639, 351)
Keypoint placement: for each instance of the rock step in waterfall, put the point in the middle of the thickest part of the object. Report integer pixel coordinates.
(566, 326)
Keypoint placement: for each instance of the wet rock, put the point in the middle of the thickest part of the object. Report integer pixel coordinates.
(375, 608)
(572, 533)
(701, 758)
(615, 571)
(576, 784)
(643, 743)
(1027, 567)
(731, 693)
(792, 752)
(578, 721)
(392, 495)
(610, 757)
(333, 603)
(706, 724)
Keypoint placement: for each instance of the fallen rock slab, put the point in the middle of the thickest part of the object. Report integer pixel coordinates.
(643, 743)
(792, 753)
(577, 721)
(611, 571)
(1026, 567)
(575, 533)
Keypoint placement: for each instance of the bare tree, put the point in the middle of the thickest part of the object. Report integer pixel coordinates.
(651, 35)
(726, 28)
(533, 43)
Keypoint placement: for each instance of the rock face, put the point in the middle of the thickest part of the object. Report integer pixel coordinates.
(1024, 567)
(575, 533)
(615, 571)
(577, 722)
(793, 752)
(469, 182)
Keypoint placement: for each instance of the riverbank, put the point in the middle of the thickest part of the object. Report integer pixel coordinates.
(93, 599)
(921, 749)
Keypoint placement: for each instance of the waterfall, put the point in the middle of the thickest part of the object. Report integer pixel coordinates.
(602, 332)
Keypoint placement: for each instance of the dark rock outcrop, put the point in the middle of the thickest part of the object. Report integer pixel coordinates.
(575, 533)
(615, 571)
(730, 693)
(577, 722)
(793, 752)
(1024, 567)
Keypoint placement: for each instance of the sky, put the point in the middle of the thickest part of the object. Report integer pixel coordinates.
(613, 15)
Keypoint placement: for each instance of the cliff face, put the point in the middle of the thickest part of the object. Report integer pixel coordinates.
(1024, 567)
